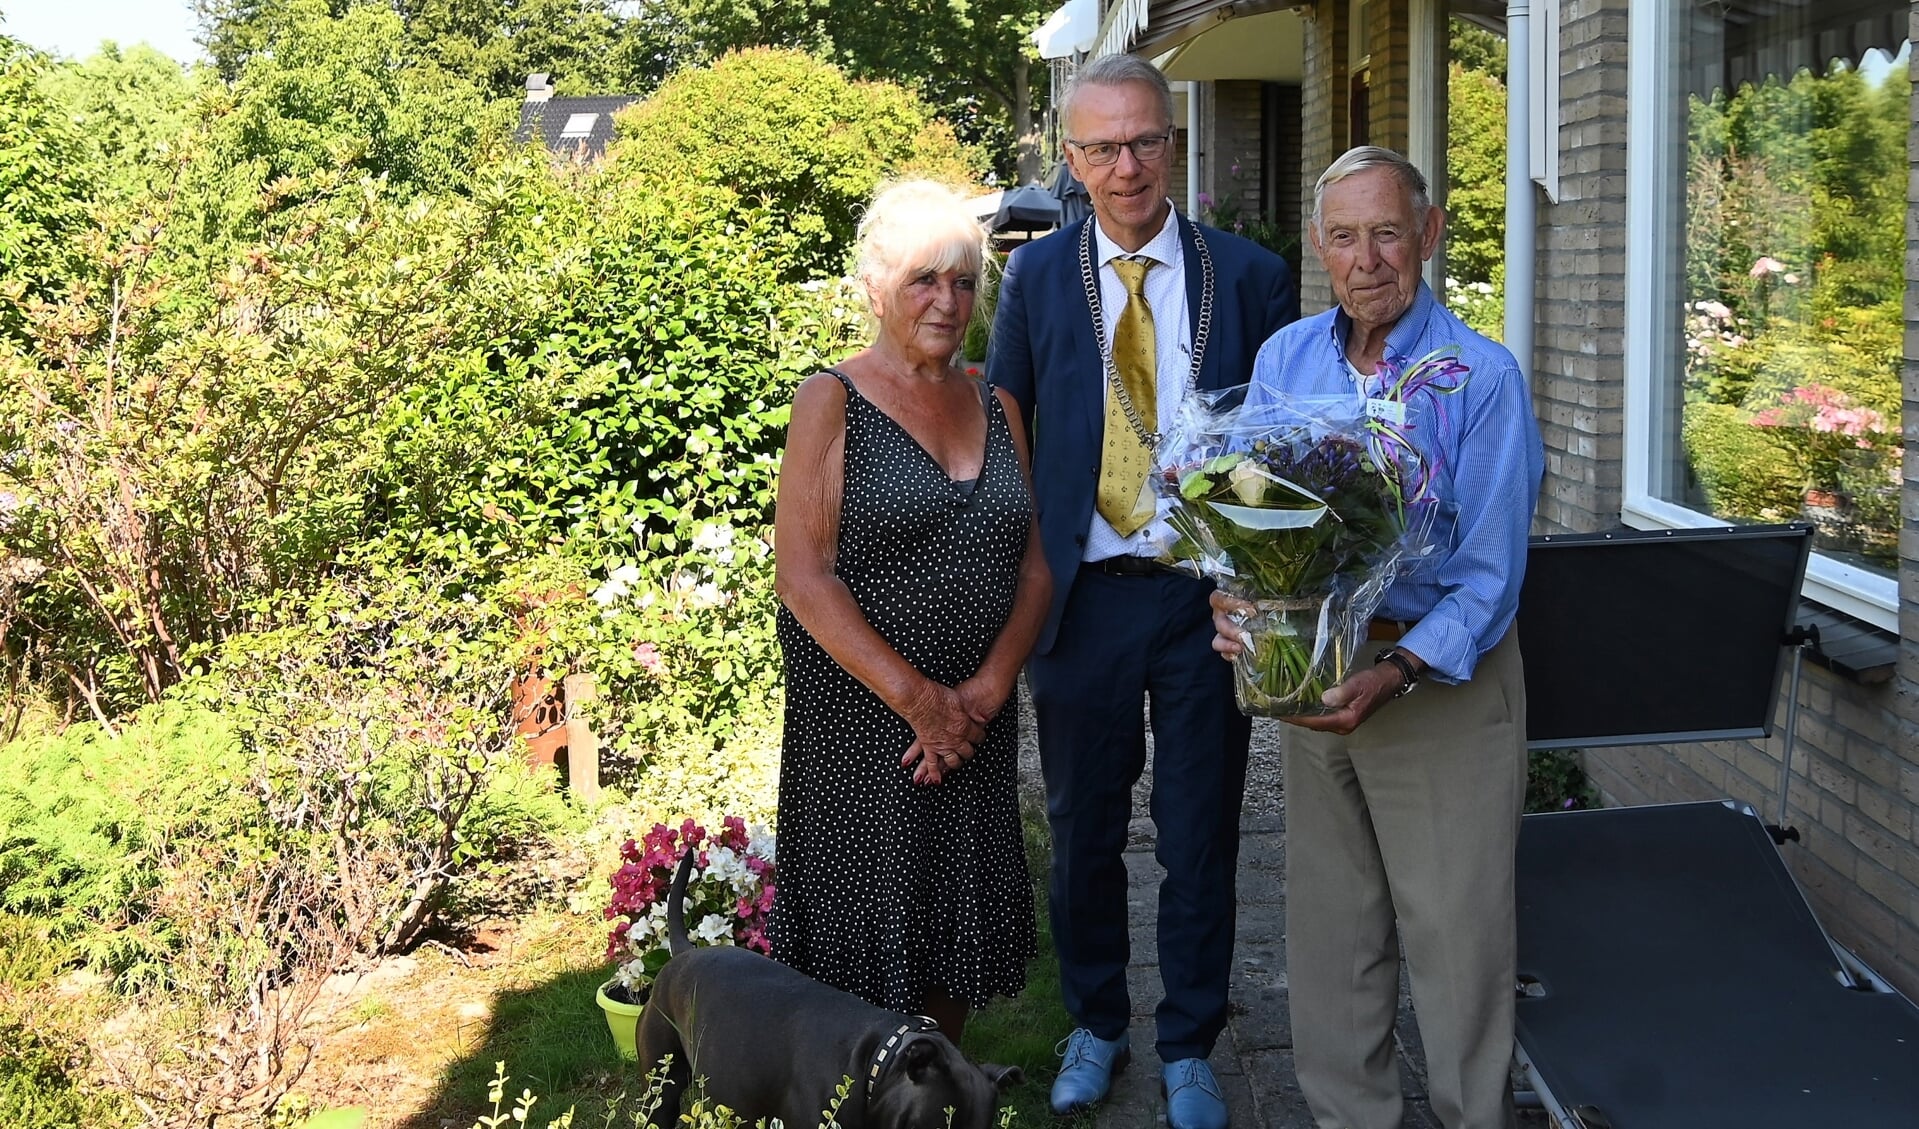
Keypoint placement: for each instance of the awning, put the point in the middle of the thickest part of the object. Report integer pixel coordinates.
(1267, 48)
(1070, 30)
(1153, 27)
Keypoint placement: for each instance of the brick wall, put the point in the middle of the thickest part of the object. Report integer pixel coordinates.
(1855, 791)
(1323, 122)
(1579, 343)
(1390, 41)
(1237, 129)
(1287, 144)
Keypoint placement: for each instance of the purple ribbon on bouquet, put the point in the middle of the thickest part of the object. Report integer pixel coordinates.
(1400, 382)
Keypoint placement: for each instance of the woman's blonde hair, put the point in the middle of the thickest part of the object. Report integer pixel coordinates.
(913, 226)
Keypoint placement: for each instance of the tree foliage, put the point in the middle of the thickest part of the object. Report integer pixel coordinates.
(1475, 175)
(586, 46)
(352, 94)
(781, 125)
(46, 168)
(131, 105)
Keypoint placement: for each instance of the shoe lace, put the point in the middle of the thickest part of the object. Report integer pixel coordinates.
(1189, 1074)
(1074, 1047)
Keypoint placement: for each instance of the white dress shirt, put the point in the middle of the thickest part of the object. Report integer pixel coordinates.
(1173, 348)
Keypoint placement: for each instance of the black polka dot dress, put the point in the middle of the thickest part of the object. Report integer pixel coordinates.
(888, 889)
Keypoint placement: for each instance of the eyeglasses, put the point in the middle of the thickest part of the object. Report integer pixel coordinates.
(1145, 149)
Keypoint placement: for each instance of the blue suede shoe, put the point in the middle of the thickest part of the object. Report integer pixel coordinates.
(1193, 1099)
(1086, 1069)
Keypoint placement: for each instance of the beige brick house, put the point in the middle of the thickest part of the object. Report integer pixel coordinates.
(1621, 224)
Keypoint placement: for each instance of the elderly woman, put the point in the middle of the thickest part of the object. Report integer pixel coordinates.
(912, 585)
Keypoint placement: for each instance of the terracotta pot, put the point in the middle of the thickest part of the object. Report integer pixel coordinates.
(623, 1020)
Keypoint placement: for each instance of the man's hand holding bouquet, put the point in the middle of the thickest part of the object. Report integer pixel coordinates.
(1306, 508)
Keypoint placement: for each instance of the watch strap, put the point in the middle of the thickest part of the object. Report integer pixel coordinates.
(1408, 677)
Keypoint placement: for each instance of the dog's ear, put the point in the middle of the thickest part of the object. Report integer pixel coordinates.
(918, 1056)
(1003, 1078)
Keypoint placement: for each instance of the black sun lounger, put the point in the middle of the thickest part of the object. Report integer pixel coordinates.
(1673, 977)
(1672, 974)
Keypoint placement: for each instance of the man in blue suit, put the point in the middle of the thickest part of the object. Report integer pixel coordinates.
(1101, 330)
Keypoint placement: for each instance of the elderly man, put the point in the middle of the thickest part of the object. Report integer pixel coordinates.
(1101, 330)
(1402, 812)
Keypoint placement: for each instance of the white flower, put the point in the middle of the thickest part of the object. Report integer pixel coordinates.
(714, 929)
(760, 841)
(713, 536)
(616, 585)
(708, 595)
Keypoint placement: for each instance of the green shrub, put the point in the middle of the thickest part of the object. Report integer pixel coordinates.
(1556, 781)
(43, 1083)
(1481, 305)
(1744, 473)
(789, 128)
(82, 814)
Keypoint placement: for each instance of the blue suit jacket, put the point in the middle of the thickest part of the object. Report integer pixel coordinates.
(1044, 352)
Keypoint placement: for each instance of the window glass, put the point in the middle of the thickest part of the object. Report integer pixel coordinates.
(1778, 320)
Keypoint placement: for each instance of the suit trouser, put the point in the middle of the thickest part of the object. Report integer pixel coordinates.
(1123, 638)
(1415, 819)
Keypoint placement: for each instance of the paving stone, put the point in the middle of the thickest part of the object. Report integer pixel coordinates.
(1253, 1059)
(1275, 1087)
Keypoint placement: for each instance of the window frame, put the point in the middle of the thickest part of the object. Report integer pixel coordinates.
(1855, 591)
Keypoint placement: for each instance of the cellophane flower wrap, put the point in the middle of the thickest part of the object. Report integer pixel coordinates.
(729, 895)
(1308, 507)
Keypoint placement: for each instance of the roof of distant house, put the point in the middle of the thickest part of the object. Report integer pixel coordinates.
(568, 125)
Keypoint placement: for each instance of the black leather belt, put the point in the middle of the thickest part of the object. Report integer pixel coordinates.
(1387, 630)
(1124, 566)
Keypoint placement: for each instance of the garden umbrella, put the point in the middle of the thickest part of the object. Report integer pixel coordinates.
(1026, 208)
(1071, 194)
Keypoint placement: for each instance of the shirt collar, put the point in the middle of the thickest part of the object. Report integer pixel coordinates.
(1162, 248)
(1404, 337)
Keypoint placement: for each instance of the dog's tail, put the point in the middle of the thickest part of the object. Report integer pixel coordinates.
(676, 939)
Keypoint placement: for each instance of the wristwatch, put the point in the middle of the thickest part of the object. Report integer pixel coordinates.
(1408, 677)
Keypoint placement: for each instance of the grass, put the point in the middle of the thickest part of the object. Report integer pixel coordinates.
(547, 1029)
(422, 1052)
(1023, 1031)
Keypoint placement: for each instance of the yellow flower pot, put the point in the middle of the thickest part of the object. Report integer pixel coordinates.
(623, 1020)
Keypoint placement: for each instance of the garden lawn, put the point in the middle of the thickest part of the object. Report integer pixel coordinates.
(415, 1042)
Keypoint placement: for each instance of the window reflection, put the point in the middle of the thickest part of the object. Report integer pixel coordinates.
(1784, 292)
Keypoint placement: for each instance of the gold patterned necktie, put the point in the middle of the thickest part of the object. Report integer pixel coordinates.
(1126, 462)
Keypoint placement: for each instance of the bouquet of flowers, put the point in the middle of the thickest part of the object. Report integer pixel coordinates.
(1308, 507)
(728, 895)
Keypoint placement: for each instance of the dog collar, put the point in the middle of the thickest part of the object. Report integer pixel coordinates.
(919, 1025)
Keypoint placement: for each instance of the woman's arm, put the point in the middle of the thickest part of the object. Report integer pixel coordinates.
(988, 689)
(806, 525)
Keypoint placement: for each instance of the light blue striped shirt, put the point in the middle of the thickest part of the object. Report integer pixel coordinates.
(1484, 445)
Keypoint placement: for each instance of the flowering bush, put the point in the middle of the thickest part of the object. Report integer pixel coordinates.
(1481, 305)
(1820, 426)
(728, 895)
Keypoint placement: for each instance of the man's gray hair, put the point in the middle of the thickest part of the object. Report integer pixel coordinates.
(1363, 157)
(1116, 70)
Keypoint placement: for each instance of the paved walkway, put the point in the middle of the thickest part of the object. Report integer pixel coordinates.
(1254, 1057)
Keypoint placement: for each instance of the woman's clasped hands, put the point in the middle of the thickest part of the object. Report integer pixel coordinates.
(947, 722)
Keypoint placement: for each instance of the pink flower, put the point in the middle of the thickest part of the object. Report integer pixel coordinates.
(1766, 265)
(648, 656)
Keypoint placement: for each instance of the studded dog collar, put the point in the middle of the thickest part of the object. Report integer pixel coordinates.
(920, 1025)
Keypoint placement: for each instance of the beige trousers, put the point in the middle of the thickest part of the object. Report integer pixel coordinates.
(1406, 831)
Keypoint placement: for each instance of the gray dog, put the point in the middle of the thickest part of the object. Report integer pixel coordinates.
(772, 1042)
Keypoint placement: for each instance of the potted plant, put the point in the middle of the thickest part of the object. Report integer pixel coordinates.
(728, 898)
